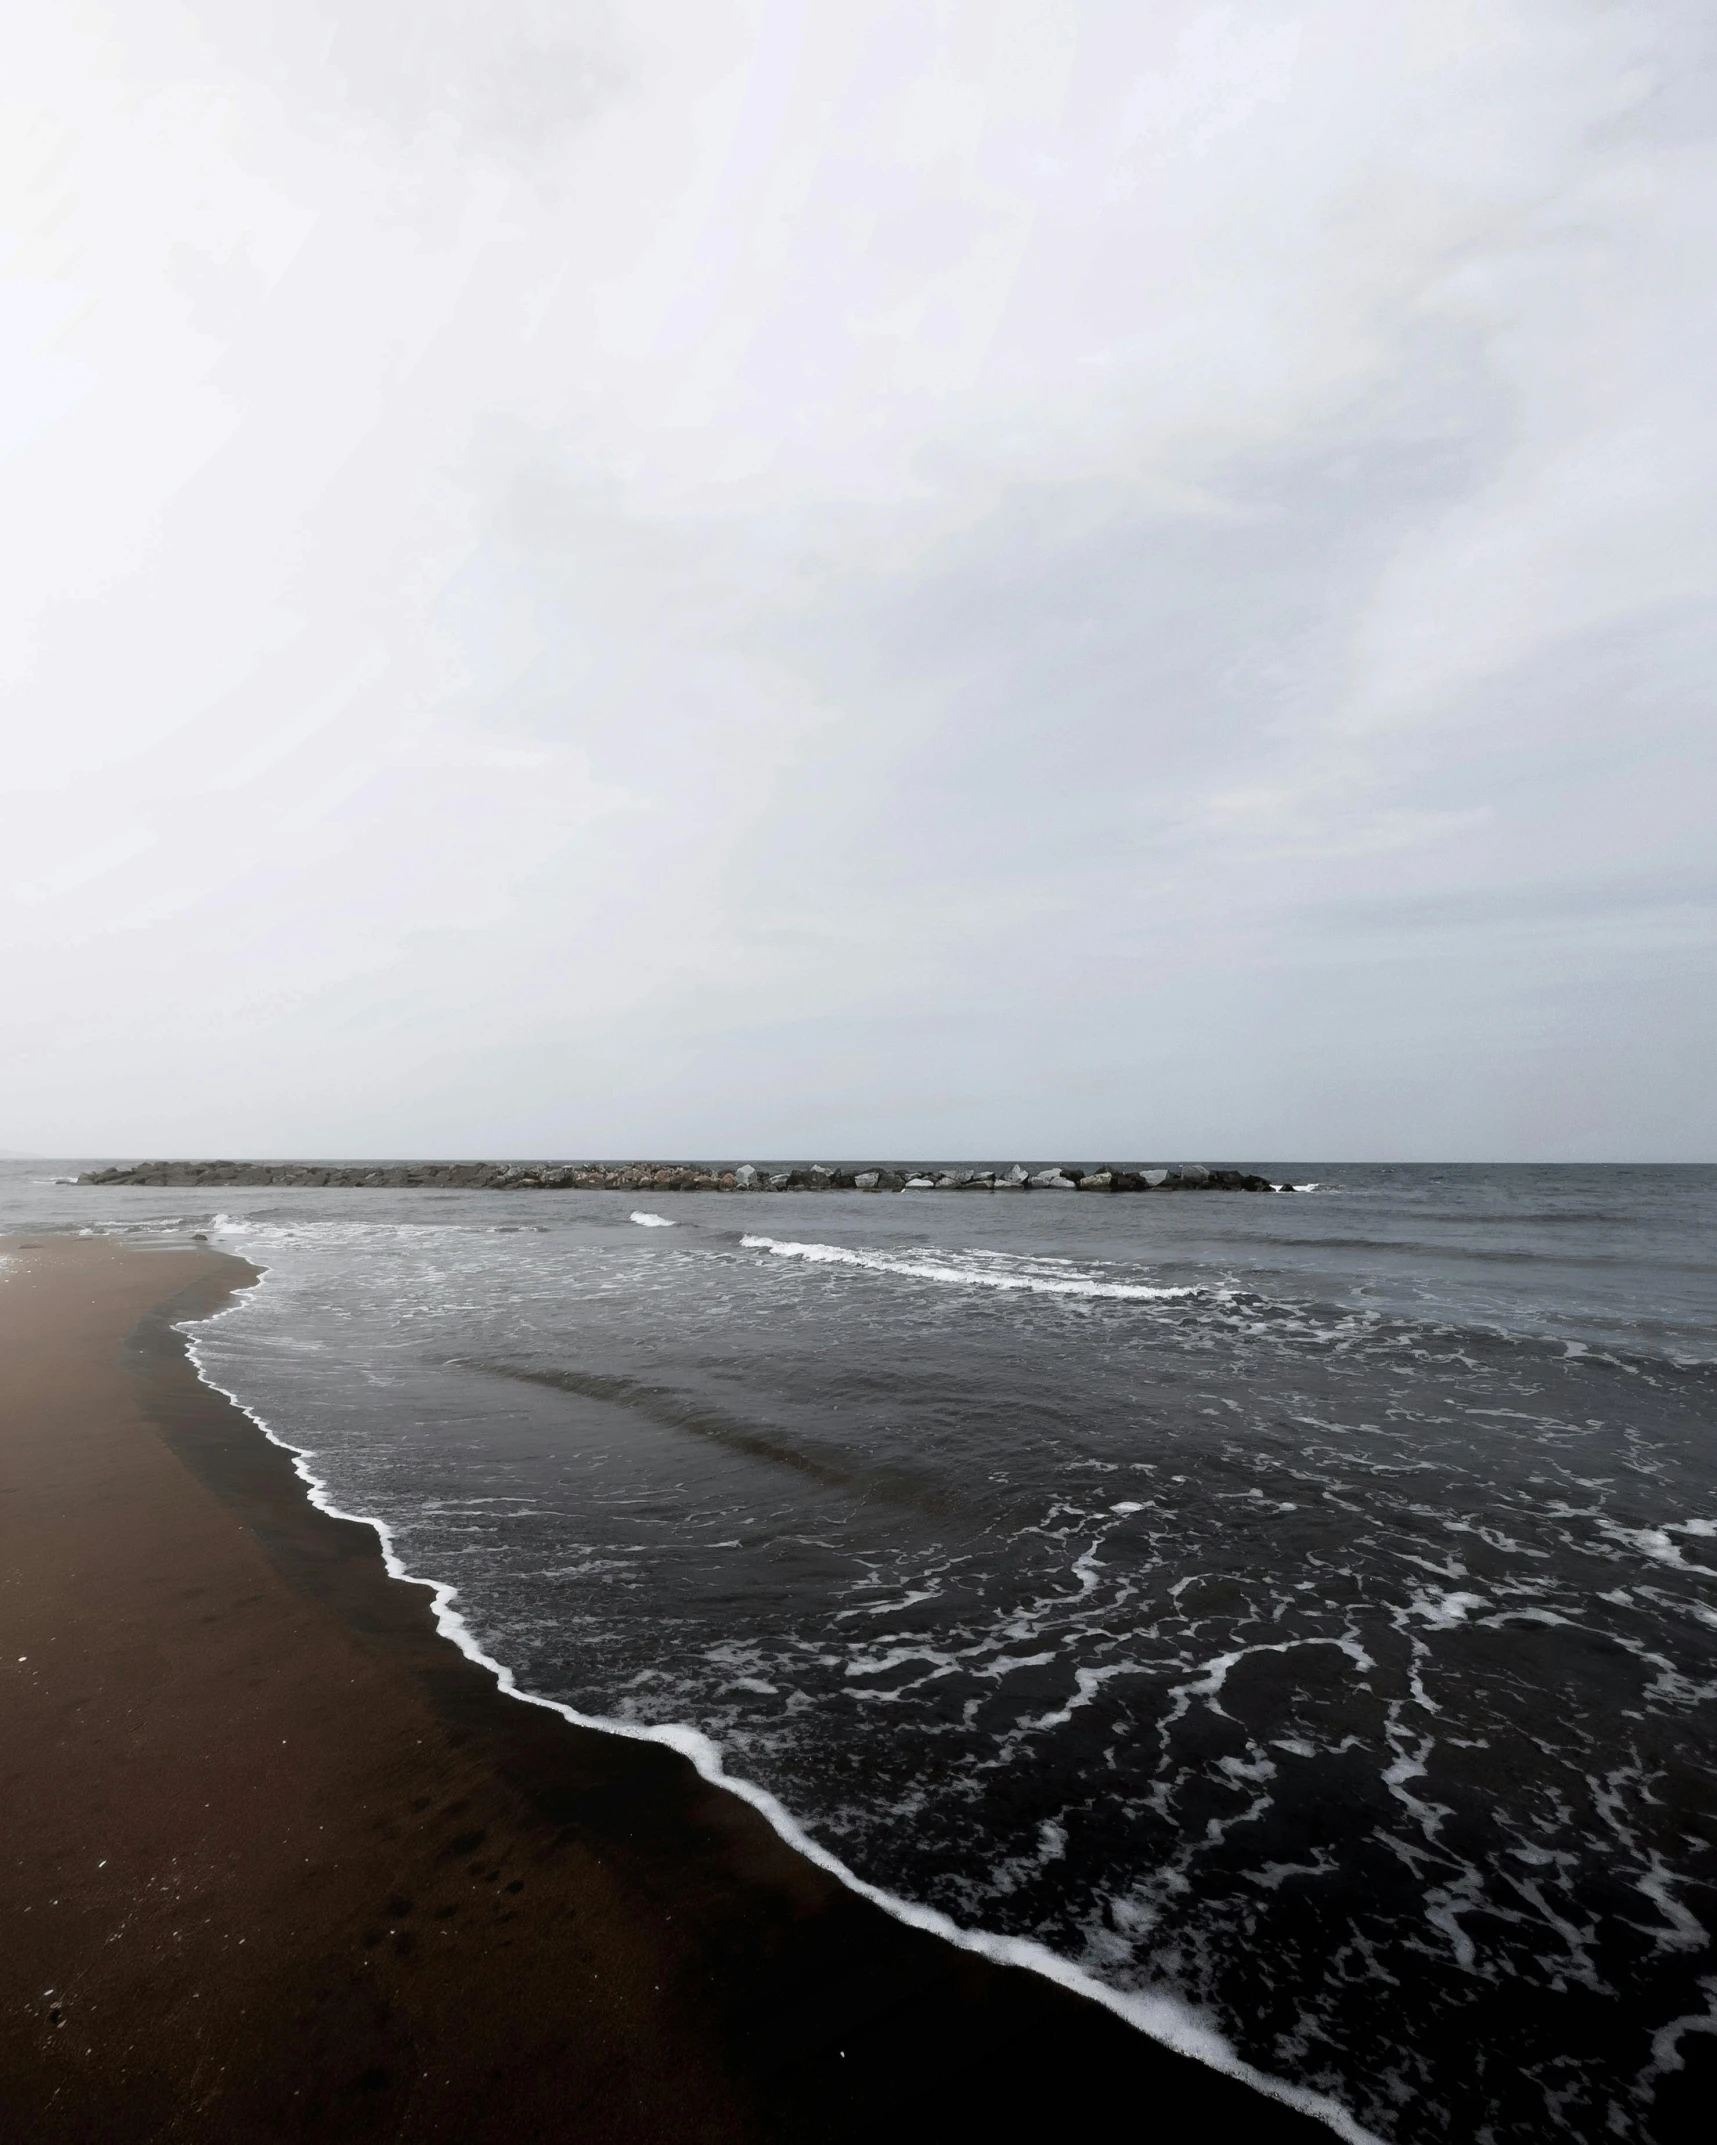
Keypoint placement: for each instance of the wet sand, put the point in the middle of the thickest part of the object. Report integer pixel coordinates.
(279, 1862)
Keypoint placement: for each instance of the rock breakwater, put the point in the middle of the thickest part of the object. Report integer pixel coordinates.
(683, 1177)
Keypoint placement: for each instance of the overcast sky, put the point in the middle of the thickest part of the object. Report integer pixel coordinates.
(1108, 577)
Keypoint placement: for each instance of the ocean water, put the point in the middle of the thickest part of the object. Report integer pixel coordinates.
(1301, 1609)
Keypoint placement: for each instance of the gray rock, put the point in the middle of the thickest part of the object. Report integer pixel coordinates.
(671, 1176)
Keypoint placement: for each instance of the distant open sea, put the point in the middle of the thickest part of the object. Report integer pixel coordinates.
(1304, 1608)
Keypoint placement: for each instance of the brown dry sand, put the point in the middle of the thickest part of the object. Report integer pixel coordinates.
(277, 1862)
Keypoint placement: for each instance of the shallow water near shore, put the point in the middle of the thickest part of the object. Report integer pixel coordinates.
(1302, 1606)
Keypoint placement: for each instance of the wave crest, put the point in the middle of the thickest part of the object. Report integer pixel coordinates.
(968, 1270)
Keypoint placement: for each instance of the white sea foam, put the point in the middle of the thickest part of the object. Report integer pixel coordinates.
(1162, 2018)
(968, 1270)
(1443, 1611)
(651, 1221)
(1652, 1542)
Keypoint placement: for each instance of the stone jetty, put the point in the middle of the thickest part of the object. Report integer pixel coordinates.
(684, 1177)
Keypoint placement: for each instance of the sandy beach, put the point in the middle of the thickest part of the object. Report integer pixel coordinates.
(282, 1862)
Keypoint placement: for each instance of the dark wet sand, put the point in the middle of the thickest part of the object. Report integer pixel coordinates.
(276, 1861)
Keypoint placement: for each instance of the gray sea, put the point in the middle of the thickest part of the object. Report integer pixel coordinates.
(1301, 1608)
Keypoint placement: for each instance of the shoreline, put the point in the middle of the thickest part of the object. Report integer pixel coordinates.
(1161, 2019)
(759, 1996)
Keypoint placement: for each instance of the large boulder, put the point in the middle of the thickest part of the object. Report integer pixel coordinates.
(1097, 1180)
(1052, 1180)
